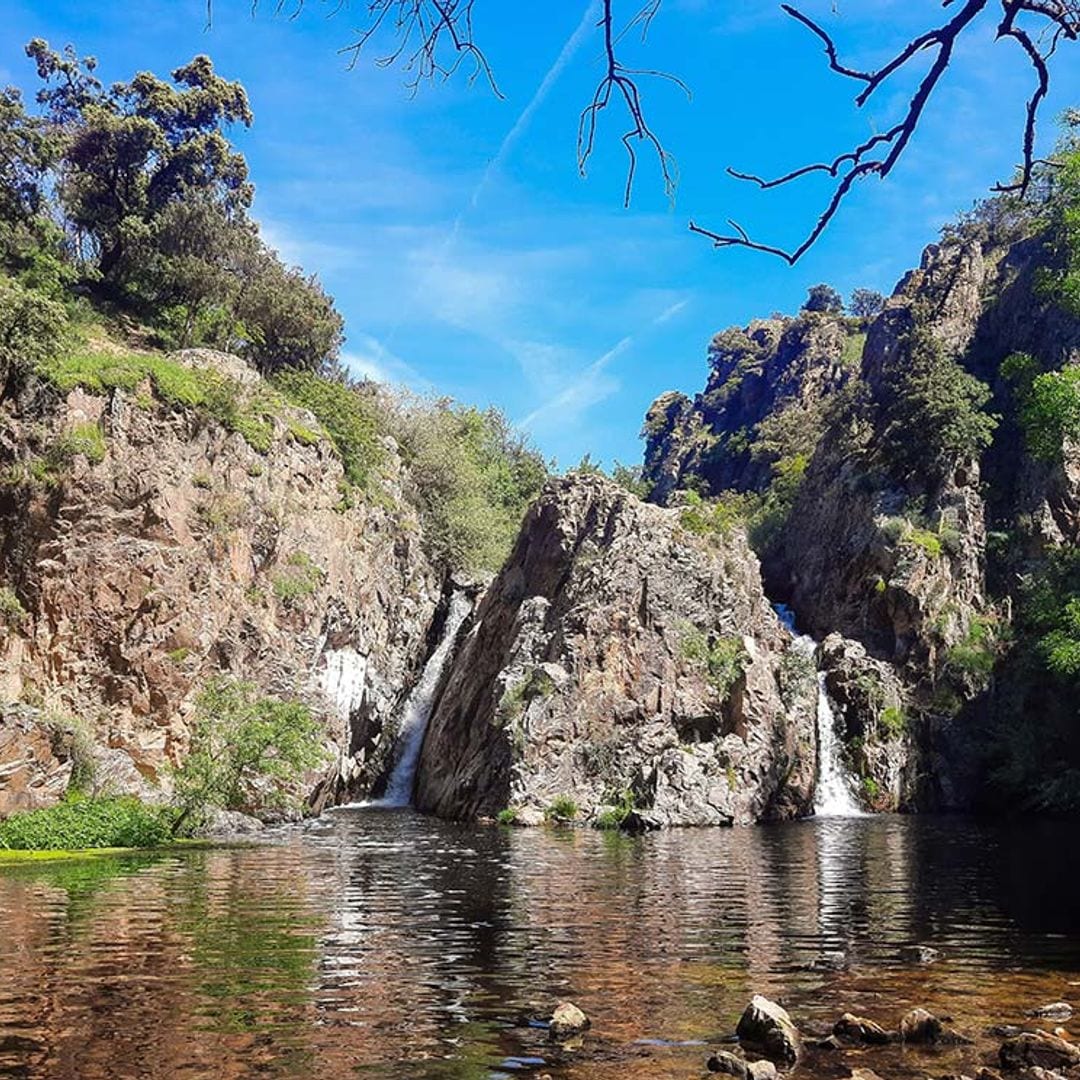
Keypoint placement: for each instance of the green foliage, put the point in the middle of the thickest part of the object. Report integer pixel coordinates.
(851, 356)
(12, 613)
(562, 810)
(203, 389)
(932, 411)
(893, 720)
(78, 823)
(507, 816)
(925, 540)
(298, 578)
(871, 788)
(623, 805)
(866, 303)
(722, 660)
(632, 479)
(1061, 282)
(716, 518)
(32, 328)
(1049, 410)
(86, 439)
(246, 751)
(289, 320)
(534, 685)
(824, 298)
(475, 477)
(977, 653)
(349, 415)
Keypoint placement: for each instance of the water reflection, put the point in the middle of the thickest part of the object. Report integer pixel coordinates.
(388, 945)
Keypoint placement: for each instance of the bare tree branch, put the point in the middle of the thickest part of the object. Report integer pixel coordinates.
(879, 155)
(619, 83)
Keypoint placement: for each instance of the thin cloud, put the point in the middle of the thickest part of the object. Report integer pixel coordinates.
(369, 358)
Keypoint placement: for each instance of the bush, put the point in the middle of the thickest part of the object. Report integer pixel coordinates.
(12, 613)
(893, 720)
(507, 816)
(246, 750)
(824, 298)
(349, 415)
(79, 823)
(932, 412)
(32, 328)
(299, 577)
(723, 661)
(289, 319)
(475, 478)
(977, 653)
(86, 439)
(624, 804)
(562, 810)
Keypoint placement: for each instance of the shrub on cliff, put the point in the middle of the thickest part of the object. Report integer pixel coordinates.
(32, 328)
(475, 477)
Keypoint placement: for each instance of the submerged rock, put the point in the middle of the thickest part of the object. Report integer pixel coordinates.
(567, 1021)
(1038, 1048)
(857, 1029)
(767, 1027)
(1057, 1010)
(920, 1026)
(919, 954)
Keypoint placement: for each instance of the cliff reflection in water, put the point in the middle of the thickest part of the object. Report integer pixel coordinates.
(385, 944)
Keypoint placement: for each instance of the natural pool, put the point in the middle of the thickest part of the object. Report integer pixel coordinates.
(384, 944)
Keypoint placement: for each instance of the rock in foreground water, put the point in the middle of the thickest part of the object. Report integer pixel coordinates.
(1038, 1048)
(567, 1021)
(768, 1027)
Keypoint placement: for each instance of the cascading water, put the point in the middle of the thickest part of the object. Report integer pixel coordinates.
(833, 793)
(418, 709)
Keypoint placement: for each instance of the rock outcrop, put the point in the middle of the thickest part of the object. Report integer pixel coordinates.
(619, 658)
(175, 552)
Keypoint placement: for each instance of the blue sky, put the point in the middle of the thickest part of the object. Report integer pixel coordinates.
(470, 259)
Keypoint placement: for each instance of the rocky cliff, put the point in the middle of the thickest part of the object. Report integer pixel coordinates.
(145, 548)
(619, 659)
(909, 532)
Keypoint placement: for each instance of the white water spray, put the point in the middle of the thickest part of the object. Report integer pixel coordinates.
(833, 795)
(418, 709)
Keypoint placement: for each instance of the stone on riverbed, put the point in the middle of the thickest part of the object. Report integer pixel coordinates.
(920, 1026)
(919, 954)
(732, 1065)
(1038, 1048)
(1058, 1010)
(858, 1029)
(767, 1026)
(567, 1021)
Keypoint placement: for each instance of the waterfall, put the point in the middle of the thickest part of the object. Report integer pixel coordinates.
(418, 709)
(833, 795)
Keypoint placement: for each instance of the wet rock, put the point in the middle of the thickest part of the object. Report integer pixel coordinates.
(567, 1021)
(727, 1063)
(987, 1074)
(829, 1042)
(1038, 1048)
(830, 961)
(1005, 1031)
(863, 1074)
(920, 1026)
(919, 954)
(858, 1029)
(768, 1027)
(528, 817)
(230, 824)
(761, 1070)
(1057, 1010)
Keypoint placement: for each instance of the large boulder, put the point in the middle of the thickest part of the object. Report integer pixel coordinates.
(620, 654)
(767, 1027)
(1038, 1048)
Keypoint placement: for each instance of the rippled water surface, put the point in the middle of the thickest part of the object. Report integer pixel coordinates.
(389, 945)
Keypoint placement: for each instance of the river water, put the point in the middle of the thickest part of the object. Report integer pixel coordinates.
(385, 944)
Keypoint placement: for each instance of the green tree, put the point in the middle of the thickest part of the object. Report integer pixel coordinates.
(824, 298)
(933, 411)
(289, 320)
(866, 303)
(32, 328)
(132, 149)
(246, 751)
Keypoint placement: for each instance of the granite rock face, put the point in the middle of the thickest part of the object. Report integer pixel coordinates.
(619, 657)
(184, 553)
